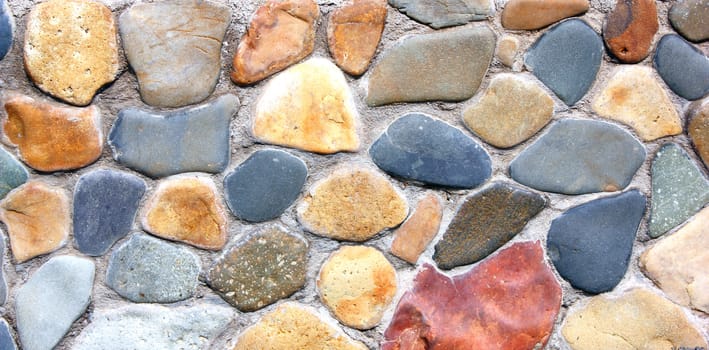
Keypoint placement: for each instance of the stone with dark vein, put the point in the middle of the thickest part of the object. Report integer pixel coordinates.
(7, 29)
(536, 14)
(7, 342)
(698, 128)
(12, 173)
(691, 19)
(445, 13)
(682, 66)
(629, 29)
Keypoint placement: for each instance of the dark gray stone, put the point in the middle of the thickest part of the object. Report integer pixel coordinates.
(691, 19)
(265, 185)
(420, 148)
(579, 156)
(682, 66)
(163, 144)
(566, 59)
(7, 342)
(12, 173)
(444, 13)
(590, 245)
(105, 203)
(7, 27)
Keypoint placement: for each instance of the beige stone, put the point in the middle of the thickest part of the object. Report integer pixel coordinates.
(353, 33)
(507, 49)
(411, 239)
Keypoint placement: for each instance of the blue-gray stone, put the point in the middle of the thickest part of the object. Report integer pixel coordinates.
(590, 245)
(3, 284)
(12, 173)
(186, 140)
(444, 13)
(7, 342)
(265, 185)
(579, 156)
(683, 67)
(7, 27)
(105, 203)
(420, 148)
(566, 59)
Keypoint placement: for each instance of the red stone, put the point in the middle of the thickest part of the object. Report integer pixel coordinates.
(629, 29)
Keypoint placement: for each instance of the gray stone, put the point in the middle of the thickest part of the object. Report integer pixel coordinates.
(579, 156)
(691, 19)
(682, 66)
(149, 270)
(53, 298)
(12, 173)
(7, 27)
(7, 342)
(3, 284)
(444, 13)
(163, 144)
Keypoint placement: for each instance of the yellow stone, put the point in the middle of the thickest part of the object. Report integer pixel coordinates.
(507, 50)
(411, 239)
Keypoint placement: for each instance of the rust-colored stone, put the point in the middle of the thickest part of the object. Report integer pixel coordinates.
(536, 14)
(698, 127)
(353, 33)
(411, 239)
(629, 29)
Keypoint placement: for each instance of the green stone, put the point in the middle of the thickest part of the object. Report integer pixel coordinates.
(12, 173)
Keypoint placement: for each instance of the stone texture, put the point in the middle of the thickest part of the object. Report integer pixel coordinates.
(579, 156)
(352, 205)
(51, 300)
(420, 148)
(292, 326)
(3, 284)
(7, 28)
(71, 49)
(7, 342)
(260, 270)
(445, 13)
(590, 245)
(691, 19)
(509, 301)
(12, 173)
(105, 204)
(446, 65)
(174, 47)
(37, 219)
(566, 58)
(51, 137)
(682, 66)
(353, 33)
(264, 185)
(485, 222)
(308, 107)
(186, 209)
(357, 284)
(633, 97)
(507, 49)
(698, 128)
(640, 320)
(629, 29)
(162, 144)
(511, 111)
(281, 33)
(411, 239)
(536, 14)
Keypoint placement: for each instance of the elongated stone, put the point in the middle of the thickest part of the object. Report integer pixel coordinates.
(445, 13)
(629, 29)
(411, 239)
(7, 29)
(12, 173)
(3, 283)
(691, 19)
(536, 14)
(353, 33)
(698, 128)
(7, 342)
(682, 66)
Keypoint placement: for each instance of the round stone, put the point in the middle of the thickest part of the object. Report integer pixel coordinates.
(629, 29)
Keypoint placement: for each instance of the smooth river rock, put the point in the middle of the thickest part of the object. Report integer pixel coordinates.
(445, 13)
(12, 173)
(691, 19)
(698, 128)
(7, 29)
(630, 28)
(411, 239)
(682, 66)
(536, 14)
(7, 342)
(353, 33)
(3, 283)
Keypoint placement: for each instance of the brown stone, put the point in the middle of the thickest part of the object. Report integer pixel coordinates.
(536, 14)
(37, 219)
(698, 128)
(411, 239)
(691, 19)
(629, 29)
(52, 137)
(507, 50)
(282, 32)
(353, 33)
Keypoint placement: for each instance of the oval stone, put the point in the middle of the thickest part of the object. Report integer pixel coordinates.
(12, 173)
(691, 19)
(629, 29)
(445, 13)
(7, 28)
(536, 14)
(682, 66)
(698, 128)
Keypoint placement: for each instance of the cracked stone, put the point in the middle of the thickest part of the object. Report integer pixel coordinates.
(698, 128)
(445, 13)
(682, 66)
(7, 29)
(353, 33)
(411, 239)
(691, 19)
(536, 14)
(12, 173)
(629, 29)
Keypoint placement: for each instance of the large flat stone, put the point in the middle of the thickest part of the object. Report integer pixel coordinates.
(682, 66)
(7, 342)
(353, 33)
(691, 19)
(536, 14)
(12, 173)
(698, 128)
(7, 29)
(630, 28)
(445, 13)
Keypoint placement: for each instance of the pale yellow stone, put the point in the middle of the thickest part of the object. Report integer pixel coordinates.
(507, 50)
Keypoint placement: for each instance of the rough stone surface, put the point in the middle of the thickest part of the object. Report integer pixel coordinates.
(579, 156)
(629, 29)
(507, 50)
(353, 33)
(590, 245)
(509, 301)
(7, 28)
(698, 128)
(691, 19)
(308, 107)
(445, 13)
(12, 173)
(635, 98)
(511, 111)
(162, 144)
(446, 65)
(352, 205)
(566, 58)
(281, 33)
(682, 66)
(7, 342)
(411, 239)
(52, 299)
(536, 14)
(3, 283)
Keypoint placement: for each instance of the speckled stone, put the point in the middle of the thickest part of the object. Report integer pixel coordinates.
(3, 284)
(7, 342)
(353, 33)
(629, 29)
(579, 156)
(12, 173)
(682, 66)
(698, 128)
(536, 14)
(691, 19)
(445, 13)
(507, 50)
(411, 239)
(7, 29)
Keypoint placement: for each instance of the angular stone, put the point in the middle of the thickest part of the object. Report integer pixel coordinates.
(508, 301)
(691, 19)
(12, 173)
(536, 14)
(357, 284)
(162, 144)
(174, 47)
(352, 205)
(590, 245)
(187, 209)
(293, 326)
(308, 107)
(52, 299)
(698, 128)
(682, 66)
(511, 111)
(678, 189)
(629, 29)
(7, 342)
(445, 13)
(281, 33)
(420, 148)
(7, 28)
(353, 33)
(3, 284)
(260, 270)
(640, 320)
(264, 185)
(411, 239)
(447, 65)
(566, 58)
(52, 137)
(507, 50)
(579, 156)
(37, 219)
(633, 97)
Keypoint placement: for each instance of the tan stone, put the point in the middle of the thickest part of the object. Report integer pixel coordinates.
(71, 48)
(357, 284)
(511, 111)
(698, 128)
(187, 209)
(309, 107)
(637, 320)
(52, 137)
(352, 205)
(635, 98)
(294, 326)
(535, 14)
(411, 239)
(354, 32)
(507, 50)
(37, 219)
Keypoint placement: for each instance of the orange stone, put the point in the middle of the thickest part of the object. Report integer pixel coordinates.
(411, 239)
(353, 33)
(536, 14)
(629, 29)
